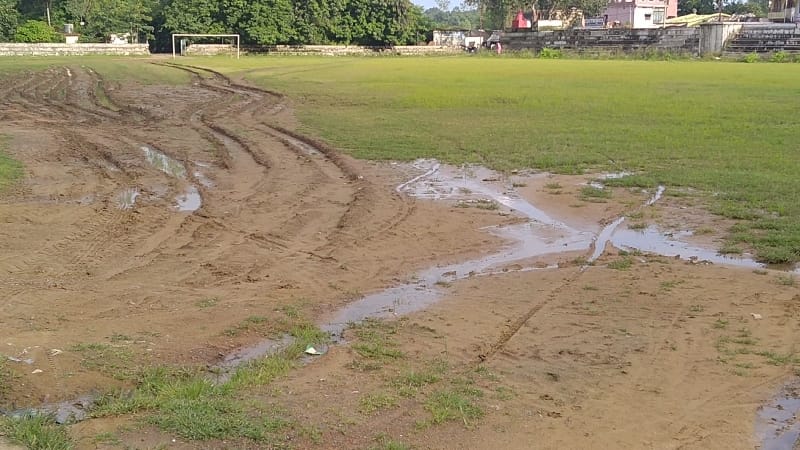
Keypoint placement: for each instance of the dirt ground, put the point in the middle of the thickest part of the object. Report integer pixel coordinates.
(101, 272)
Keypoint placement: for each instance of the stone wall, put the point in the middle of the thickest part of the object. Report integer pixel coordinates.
(327, 50)
(606, 41)
(9, 49)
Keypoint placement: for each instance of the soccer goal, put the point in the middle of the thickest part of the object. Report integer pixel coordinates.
(174, 36)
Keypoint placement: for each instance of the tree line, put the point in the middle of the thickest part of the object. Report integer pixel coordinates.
(261, 22)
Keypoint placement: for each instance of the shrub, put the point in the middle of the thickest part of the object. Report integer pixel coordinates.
(35, 31)
(779, 57)
(751, 58)
(550, 53)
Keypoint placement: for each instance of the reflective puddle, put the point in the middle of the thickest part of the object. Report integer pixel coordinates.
(190, 200)
(127, 198)
(163, 162)
(778, 423)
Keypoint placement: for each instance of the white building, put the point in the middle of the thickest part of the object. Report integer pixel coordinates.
(640, 13)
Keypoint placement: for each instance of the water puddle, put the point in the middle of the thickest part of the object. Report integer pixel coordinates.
(190, 200)
(300, 145)
(127, 198)
(163, 162)
(778, 423)
(63, 413)
(651, 240)
(527, 243)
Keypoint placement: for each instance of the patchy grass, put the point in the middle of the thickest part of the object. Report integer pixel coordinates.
(10, 169)
(489, 205)
(248, 324)
(786, 280)
(187, 403)
(115, 361)
(374, 340)
(410, 382)
(207, 302)
(593, 194)
(348, 101)
(376, 401)
(454, 404)
(623, 263)
(36, 432)
(385, 442)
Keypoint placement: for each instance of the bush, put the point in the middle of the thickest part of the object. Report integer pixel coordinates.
(779, 57)
(751, 58)
(35, 31)
(550, 53)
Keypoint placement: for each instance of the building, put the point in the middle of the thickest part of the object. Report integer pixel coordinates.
(783, 11)
(640, 13)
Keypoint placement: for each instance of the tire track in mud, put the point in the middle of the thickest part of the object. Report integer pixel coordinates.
(351, 226)
(100, 234)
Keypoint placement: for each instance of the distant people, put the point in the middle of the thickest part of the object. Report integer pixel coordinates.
(499, 48)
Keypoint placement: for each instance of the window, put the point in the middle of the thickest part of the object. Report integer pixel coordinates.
(658, 16)
(648, 17)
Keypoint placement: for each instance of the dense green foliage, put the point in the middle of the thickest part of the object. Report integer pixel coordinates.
(35, 31)
(365, 22)
(457, 18)
(9, 19)
(714, 127)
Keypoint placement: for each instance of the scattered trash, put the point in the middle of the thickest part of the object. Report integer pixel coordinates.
(55, 352)
(310, 350)
(37, 371)
(756, 316)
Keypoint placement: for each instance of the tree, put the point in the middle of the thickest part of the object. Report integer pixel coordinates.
(9, 19)
(99, 18)
(194, 16)
(36, 31)
(756, 8)
(698, 6)
(270, 22)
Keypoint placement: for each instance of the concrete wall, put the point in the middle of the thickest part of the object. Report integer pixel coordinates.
(714, 36)
(765, 38)
(9, 49)
(327, 50)
(617, 40)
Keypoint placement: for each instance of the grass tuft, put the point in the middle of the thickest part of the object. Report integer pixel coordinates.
(36, 432)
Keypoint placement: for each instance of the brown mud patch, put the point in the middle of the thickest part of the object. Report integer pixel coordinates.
(634, 351)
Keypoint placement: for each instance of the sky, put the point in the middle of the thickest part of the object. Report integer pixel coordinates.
(431, 3)
(425, 3)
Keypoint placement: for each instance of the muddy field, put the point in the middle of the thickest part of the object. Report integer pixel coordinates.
(179, 225)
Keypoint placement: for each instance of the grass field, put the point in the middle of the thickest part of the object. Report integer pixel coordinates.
(10, 169)
(727, 129)
(113, 69)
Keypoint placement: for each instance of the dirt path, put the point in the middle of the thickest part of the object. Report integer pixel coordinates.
(98, 263)
(171, 225)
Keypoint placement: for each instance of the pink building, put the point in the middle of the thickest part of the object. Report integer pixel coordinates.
(640, 13)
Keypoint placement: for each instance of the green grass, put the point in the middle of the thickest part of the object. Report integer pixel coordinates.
(623, 263)
(453, 405)
(713, 126)
(374, 341)
(376, 401)
(10, 169)
(113, 360)
(36, 432)
(187, 403)
(5, 377)
(115, 69)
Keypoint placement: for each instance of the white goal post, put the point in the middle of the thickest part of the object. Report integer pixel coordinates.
(205, 35)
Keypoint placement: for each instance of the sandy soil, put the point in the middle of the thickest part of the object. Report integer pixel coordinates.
(95, 281)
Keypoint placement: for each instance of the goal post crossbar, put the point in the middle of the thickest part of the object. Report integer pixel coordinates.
(205, 35)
